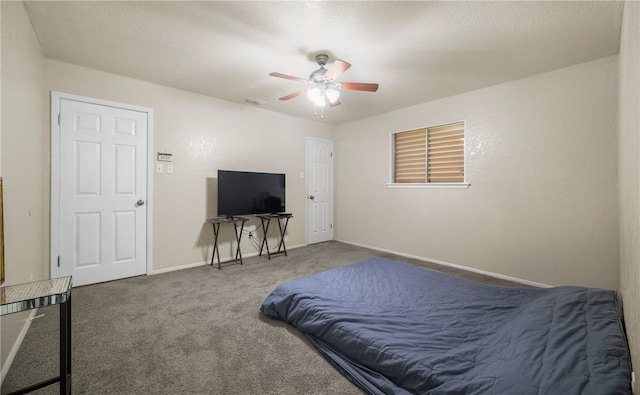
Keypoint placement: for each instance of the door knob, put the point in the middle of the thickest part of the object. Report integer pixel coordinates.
(140, 202)
(311, 197)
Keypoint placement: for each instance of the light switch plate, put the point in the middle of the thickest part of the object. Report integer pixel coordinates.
(159, 168)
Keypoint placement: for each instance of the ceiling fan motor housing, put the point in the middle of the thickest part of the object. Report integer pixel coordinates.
(322, 59)
(317, 76)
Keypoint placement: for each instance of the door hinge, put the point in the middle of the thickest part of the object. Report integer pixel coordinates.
(332, 154)
(330, 226)
(58, 260)
(59, 119)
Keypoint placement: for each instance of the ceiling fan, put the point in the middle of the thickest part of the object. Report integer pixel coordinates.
(323, 87)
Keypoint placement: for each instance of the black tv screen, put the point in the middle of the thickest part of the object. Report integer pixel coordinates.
(243, 193)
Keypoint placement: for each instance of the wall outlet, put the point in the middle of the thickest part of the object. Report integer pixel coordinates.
(250, 234)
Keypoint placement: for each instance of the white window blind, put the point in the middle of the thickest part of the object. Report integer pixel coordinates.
(430, 155)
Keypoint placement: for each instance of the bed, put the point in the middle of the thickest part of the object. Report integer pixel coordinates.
(395, 328)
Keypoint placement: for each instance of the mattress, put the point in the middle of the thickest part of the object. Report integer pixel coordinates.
(395, 328)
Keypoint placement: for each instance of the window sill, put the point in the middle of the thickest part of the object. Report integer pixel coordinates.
(447, 185)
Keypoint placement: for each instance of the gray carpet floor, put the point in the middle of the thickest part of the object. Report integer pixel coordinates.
(193, 331)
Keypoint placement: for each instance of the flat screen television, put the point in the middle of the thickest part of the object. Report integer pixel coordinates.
(244, 192)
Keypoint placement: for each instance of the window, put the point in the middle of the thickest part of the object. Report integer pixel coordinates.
(433, 155)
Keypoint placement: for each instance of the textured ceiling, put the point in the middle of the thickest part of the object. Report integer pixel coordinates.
(416, 51)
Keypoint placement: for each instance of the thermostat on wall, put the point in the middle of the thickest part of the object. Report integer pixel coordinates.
(164, 157)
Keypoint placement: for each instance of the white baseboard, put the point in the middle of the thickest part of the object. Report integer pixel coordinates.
(16, 345)
(181, 267)
(223, 260)
(469, 269)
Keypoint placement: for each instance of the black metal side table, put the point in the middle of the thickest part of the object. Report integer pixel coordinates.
(29, 296)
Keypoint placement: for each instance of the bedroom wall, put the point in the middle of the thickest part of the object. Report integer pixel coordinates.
(22, 162)
(203, 134)
(629, 176)
(541, 160)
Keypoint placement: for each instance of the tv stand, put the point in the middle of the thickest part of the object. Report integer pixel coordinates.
(216, 222)
(282, 220)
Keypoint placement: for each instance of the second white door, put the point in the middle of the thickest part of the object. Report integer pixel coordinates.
(319, 190)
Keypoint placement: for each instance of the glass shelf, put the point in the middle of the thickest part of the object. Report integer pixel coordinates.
(28, 296)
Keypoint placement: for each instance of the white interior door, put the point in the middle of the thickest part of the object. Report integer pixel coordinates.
(101, 205)
(319, 190)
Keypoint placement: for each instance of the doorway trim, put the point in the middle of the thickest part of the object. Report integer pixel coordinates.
(54, 238)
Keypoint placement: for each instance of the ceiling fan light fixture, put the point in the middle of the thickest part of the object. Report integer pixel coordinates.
(332, 95)
(317, 96)
(313, 94)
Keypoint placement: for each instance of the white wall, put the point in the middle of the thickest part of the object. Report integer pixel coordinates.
(23, 164)
(203, 134)
(629, 176)
(541, 160)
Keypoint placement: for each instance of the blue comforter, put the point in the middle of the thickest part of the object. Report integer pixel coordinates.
(394, 328)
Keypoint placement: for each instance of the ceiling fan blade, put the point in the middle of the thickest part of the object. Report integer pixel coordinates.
(359, 86)
(287, 77)
(335, 103)
(337, 68)
(294, 94)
